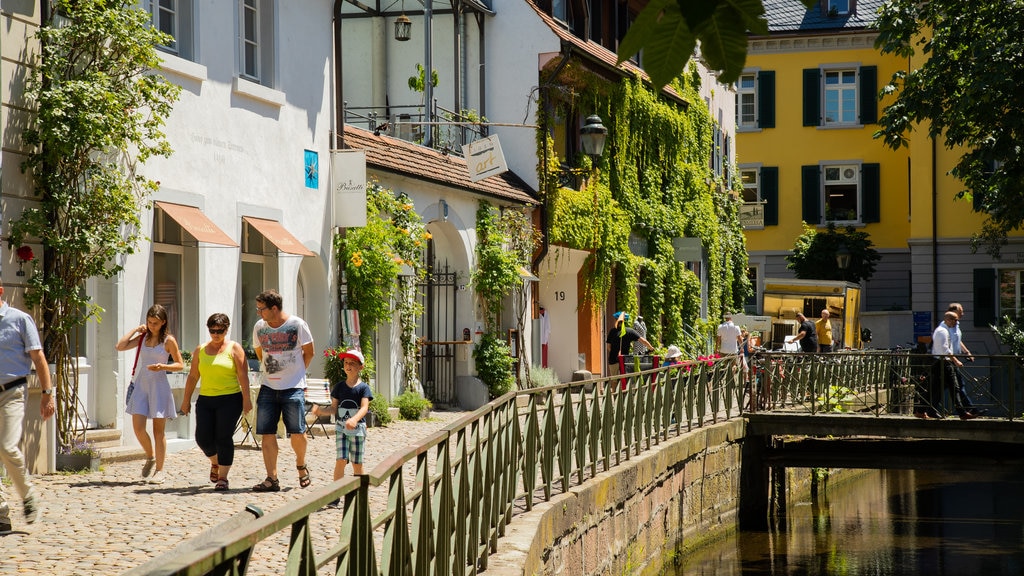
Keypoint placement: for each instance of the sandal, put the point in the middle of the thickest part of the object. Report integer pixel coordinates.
(268, 485)
(304, 479)
(222, 485)
(214, 473)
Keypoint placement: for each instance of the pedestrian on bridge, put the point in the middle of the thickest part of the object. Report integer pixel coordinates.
(958, 346)
(947, 362)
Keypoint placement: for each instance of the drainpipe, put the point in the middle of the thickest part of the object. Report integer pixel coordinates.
(935, 238)
(482, 68)
(339, 103)
(428, 86)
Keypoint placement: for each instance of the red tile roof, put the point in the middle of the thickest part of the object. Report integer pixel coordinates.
(599, 53)
(398, 156)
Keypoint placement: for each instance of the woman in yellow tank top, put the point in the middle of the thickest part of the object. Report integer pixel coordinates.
(223, 397)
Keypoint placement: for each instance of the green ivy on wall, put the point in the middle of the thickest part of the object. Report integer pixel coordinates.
(373, 259)
(653, 181)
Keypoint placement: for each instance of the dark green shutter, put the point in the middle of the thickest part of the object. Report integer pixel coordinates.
(811, 180)
(870, 195)
(868, 94)
(766, 99)
(812, 97)
(984, 297)
(770, 194)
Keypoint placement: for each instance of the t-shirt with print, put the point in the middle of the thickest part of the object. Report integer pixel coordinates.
(349, 400)
(283, 365)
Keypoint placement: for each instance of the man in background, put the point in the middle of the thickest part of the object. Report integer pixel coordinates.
(824, 329)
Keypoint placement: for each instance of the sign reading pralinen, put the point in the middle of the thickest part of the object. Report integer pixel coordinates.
(484, 158)
(348, 183)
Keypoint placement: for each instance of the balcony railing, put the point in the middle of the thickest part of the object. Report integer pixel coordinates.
(449, 130)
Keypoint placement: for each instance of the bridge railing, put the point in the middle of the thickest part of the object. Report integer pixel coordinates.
(882, 382)
(441, 506)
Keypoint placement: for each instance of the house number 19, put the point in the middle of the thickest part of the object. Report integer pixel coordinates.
(560, 295)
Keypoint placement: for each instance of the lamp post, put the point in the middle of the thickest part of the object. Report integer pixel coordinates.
(592, 136)
(843, 259)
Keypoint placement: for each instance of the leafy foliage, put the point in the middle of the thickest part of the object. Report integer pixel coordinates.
(655, 185)
(379, 409)
(1011, 334)
(504, 244)
(100, 115)
(372, 259)
(965, 86)
(411, 404)
(814, 254)
(667, 32)
(494, 364)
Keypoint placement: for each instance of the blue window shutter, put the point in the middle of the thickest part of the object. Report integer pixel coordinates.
(870, 190)
(769, 180)
(812, 97)
(869, 95)
(984, 297)
(811, 181)
(766, 99)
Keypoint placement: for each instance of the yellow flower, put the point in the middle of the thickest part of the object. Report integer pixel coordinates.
(427, 236)
(406, 206)
(403, 231)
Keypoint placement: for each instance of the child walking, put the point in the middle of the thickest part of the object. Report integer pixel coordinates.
(350, 401)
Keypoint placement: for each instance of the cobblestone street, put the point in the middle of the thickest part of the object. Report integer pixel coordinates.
(109, 521)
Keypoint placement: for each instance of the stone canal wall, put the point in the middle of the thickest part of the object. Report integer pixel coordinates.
(625, 521)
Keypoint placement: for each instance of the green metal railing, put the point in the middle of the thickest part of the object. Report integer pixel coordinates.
(880, 382)
(467, 481)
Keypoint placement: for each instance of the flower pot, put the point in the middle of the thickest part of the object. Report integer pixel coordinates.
(78, 462)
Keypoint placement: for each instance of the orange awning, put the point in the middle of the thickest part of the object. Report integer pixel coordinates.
(197, 224)
(278, 236)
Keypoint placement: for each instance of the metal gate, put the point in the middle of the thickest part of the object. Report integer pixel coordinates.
(436, 331)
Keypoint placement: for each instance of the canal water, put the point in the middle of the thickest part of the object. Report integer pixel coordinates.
(885, 522)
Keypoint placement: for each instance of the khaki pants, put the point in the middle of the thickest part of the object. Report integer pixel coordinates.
(12, 414)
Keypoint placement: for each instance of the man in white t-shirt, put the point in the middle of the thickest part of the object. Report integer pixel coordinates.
(728, 339)
(284, 345)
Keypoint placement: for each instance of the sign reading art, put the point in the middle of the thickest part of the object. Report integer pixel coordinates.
(752, 215)
(348, 184)
(484, 158)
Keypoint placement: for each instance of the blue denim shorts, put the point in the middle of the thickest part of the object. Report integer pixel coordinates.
(272, 404)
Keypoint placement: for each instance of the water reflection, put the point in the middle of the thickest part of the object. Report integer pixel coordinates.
(899, 522)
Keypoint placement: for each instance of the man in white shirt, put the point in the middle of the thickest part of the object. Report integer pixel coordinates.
(945, 372)
(728, 339)
(284, 345)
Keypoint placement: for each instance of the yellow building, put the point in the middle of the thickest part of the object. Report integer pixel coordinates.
(807, 107)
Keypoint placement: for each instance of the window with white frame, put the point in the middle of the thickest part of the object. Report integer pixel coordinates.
(751, 191)
(746, 101)
(256, 41)
(1011, 293)
(175, 18)
(840, 97)
(839, 7)
(842, 193)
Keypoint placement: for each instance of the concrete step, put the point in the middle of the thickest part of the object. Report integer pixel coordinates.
(104, 437)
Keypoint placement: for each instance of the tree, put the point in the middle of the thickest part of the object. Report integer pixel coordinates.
(100, 116)
(668, 32)
(968, 91)
(814, 254)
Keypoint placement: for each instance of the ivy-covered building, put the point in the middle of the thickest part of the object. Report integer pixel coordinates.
(808, 106)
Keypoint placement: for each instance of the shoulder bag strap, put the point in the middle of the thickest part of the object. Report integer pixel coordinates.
(138, 350)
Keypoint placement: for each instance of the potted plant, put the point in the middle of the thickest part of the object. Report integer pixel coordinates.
(80, 455)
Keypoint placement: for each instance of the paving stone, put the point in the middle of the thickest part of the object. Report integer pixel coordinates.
(109, 521)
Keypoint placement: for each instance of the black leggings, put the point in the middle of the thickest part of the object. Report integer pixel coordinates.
(216, 418)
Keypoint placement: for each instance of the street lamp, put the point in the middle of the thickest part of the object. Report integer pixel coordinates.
(593, 135)
(843, 258)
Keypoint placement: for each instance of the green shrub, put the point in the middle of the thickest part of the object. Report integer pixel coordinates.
(494, 364)
(541, 377)
(379, 408)
(411, 405)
